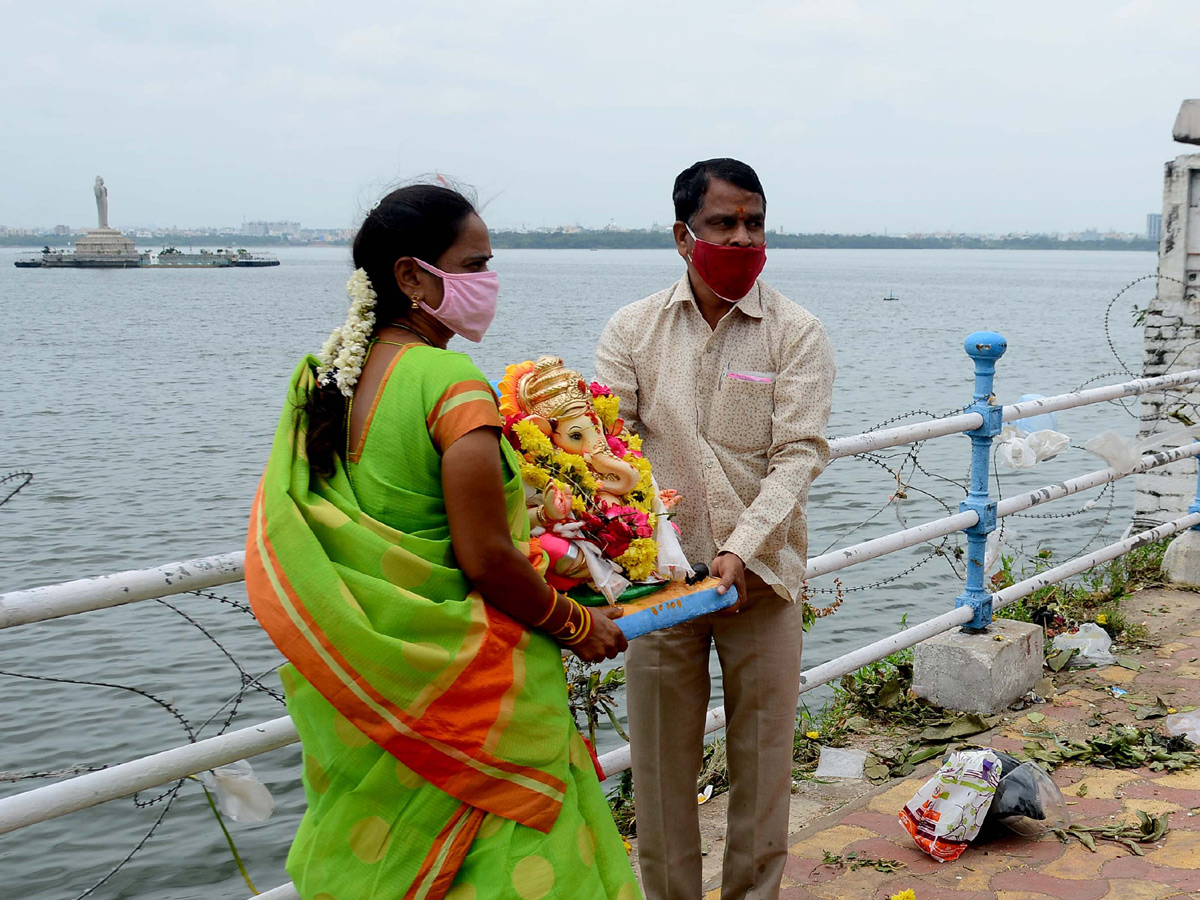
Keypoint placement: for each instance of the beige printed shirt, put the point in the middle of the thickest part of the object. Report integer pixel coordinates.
(733, 418)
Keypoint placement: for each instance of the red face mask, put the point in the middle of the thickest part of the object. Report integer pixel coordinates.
(729, 271)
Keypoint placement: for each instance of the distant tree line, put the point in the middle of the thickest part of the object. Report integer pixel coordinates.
(644, 240)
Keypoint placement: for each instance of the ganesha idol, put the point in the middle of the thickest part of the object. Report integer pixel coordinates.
(590, 494)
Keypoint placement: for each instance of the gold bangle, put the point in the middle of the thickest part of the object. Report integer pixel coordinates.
(568, 630)
(585, 628)
(549, 607)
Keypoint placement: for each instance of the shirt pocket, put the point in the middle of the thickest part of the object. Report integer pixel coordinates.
(740, 418)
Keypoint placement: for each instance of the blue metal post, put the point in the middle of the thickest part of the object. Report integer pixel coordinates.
(1195, 507)
(984, 347)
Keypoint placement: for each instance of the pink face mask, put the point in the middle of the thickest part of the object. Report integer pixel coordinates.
(468, 301)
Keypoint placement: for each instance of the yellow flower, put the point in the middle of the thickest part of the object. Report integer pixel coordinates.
(812, 735)
(531, 438)
(534, 476)
(607, 408)
(640, 560)
(906, 894)
(633, 441)
(1102, 619)
(575, 470)
(644, 487)
(1172, 710)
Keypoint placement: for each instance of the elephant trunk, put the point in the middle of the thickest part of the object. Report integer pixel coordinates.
(615, 476)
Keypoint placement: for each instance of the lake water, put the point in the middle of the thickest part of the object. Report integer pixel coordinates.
(144, 402)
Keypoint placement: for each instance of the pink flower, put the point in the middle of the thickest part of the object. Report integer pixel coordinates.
(617, 446)
(636, 520)
(600, 390)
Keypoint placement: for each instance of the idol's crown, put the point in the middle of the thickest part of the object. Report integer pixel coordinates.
(552, 390)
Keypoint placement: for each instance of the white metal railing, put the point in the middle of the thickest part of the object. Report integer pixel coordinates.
(54, 601)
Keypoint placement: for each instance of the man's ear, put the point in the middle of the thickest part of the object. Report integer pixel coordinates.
(681, 239)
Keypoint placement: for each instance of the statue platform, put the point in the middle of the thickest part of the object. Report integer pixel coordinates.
(105, 243)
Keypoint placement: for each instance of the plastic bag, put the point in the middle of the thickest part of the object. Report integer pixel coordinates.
(1125, 455)
(1019, 450)
(1091, 641)
(1038, 422)
(837, 763)
(1117, 451)
(1185, 723)
(1047, 444)
(1029, 802)
(240, 796)
(949, 809)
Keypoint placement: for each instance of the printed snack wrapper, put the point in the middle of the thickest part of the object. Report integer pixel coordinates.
(948, 811)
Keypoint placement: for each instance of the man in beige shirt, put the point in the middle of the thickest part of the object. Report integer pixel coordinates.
(729, 384)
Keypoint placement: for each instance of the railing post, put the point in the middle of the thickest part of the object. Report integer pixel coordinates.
(984, 347)
(1195, 506)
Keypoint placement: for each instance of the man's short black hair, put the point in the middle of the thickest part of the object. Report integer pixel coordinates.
(692, 183)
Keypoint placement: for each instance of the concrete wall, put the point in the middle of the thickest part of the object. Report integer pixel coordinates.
(1171, 340)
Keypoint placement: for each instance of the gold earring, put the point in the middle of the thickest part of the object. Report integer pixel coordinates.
(416, 301)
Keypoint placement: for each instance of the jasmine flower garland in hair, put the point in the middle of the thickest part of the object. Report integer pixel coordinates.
(341, 358)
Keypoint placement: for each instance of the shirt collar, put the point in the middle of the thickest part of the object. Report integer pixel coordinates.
(750, 305)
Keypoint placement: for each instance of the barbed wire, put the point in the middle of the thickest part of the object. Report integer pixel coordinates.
(12, 484)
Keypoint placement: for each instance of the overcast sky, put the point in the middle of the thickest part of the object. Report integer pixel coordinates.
(911, 116)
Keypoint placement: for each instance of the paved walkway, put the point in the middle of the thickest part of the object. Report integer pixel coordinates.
(1020, 869)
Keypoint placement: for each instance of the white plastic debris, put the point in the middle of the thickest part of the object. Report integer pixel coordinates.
(1185, 723)
(837, 763)
(1091, 641)
(1021, 450)
(240, 795)
(1047, 444)
(1117, 451)
(1124, 455)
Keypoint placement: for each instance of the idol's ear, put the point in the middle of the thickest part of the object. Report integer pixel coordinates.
(542, 423)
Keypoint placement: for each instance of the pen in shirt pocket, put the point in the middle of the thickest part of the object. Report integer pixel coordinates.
(747, 375)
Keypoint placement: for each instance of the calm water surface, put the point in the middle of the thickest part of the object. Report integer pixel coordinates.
(144, 402)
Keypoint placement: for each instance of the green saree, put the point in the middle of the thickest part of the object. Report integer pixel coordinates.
(440, 759)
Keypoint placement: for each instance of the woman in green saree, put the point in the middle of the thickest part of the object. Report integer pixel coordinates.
(389, 559)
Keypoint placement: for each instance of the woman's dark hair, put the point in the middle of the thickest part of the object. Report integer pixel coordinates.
(420, 220)
(692, 183)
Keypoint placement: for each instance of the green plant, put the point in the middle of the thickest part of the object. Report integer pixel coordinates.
(1094, 596)
(590, 694)
(620, 801)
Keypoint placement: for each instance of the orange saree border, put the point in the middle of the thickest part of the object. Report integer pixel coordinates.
(446, 855)
(520, 793)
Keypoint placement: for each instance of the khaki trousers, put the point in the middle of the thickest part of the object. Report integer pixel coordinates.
(667, 696)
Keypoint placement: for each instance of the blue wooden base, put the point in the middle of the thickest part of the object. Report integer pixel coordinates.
(675, 611)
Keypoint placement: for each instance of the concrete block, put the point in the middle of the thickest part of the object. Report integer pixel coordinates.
(1181, 564)
(982, 673)
(1187, 123)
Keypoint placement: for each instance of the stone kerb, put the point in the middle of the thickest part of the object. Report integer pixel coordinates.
(980, 673)
(1181, 562)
